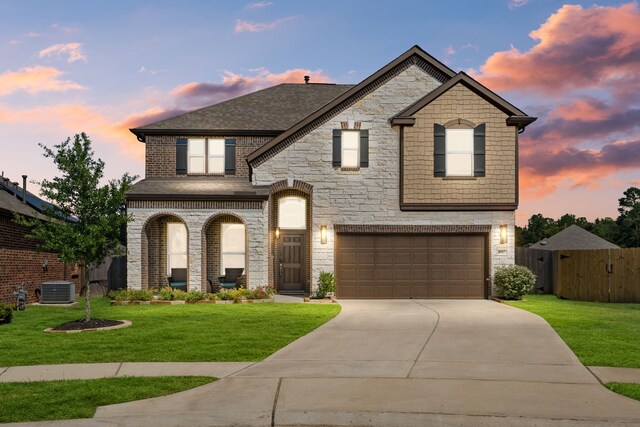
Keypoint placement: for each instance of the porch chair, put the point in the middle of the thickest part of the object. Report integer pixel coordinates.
(178, 279)
(231, 278)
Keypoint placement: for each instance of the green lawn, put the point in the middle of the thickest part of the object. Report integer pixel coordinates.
(160, 333)
(600, 334)
(629, 390)
(63, 400)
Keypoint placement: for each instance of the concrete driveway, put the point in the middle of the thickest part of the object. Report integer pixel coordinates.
(404, 362)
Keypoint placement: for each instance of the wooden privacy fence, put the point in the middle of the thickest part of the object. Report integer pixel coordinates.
(607, 275)
(542, 263)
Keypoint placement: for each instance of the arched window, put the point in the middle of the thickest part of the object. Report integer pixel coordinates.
(292, 213)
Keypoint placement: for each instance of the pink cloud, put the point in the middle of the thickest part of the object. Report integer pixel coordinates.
(34, 80)
(199, 94)
(254, 27)
(577, 48)
(73, 52)
(64, 118)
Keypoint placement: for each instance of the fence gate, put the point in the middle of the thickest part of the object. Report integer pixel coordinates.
(606, 275)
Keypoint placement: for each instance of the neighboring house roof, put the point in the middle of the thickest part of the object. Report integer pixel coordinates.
(517, 117)
(11, 201)
(196, 188)
(573, 237)
(268, 111)
(437, 68)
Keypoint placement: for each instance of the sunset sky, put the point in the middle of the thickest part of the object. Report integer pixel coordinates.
(104, 66)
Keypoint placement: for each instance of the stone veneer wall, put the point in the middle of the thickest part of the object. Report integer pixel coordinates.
(370, 195)
(160, 154)
(499, 184)
(256, 221)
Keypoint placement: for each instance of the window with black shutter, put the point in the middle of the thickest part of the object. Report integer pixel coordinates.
(211, 156)
(459, 151)
(350, 148)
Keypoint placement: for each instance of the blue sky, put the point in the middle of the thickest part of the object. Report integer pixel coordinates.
(100, 66)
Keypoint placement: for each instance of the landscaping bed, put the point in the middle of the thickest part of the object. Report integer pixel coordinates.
(169, 296)
(171, 333)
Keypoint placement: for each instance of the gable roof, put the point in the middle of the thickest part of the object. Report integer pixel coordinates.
(573, 237)
(517, 117)
(415, 54)
(268, 111)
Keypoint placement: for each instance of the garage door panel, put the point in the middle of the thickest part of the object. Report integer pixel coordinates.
(410, 266)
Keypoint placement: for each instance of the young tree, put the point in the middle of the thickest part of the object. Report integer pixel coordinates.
(85, 222)
(629, 219)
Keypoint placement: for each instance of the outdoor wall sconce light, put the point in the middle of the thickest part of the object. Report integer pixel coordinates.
(277, 233)
(323, 234)
(503, 234)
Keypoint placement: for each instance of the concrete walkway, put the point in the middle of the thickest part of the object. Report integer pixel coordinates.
(468, 363)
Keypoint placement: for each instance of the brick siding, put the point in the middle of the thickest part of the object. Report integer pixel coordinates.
(160, 154)
(20, 262)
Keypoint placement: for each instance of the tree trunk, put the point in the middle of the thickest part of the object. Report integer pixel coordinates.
(87, 293)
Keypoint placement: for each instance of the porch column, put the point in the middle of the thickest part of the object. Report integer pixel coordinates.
(194, 249)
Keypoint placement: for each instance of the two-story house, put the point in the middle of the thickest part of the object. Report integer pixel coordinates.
(404, 185)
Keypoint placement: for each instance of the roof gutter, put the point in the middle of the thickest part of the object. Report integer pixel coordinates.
(142, 134)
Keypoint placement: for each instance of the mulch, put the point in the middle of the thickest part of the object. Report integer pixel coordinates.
(80, 324)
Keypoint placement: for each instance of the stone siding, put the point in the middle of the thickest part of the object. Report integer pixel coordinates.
(370, 195)
(499, 183)
(256, 221)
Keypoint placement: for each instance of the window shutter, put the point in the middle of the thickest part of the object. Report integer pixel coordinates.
(181, 155)
(230, 156)
(439, 150)
(479, 150)
(364, 148)
(337, 148)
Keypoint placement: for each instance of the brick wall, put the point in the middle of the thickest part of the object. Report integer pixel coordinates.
(499, 184)
(160, 154)
(20, 262)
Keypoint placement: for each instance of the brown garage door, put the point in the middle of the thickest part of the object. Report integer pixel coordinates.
(410, 266)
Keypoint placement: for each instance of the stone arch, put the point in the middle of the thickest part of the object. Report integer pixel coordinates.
(277, 190)
(153, 253)
(211, 246)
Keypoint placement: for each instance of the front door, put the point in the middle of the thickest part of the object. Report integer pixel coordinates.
(291, 261)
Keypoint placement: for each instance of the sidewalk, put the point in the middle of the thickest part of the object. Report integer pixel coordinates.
(89, 371)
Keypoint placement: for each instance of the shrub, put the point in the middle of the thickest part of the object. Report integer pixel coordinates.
(180, 295)
(119, 295)
(194, 296)
(6, 313)
(326, 284)
(231, 294)
(213, 297)
(140, 295)
(166, 294)
(259, 293)
(513, 281)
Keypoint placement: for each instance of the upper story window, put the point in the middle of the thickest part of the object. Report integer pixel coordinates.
(206, 155)
(351, 147)
(215, 156)
(459, 152)
(459, 149)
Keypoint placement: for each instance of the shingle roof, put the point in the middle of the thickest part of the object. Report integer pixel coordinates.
(9, 203)
(276, 108)
(197, 188)
(573, 237)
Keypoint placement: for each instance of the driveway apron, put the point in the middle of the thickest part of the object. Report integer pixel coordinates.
(403, 362)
